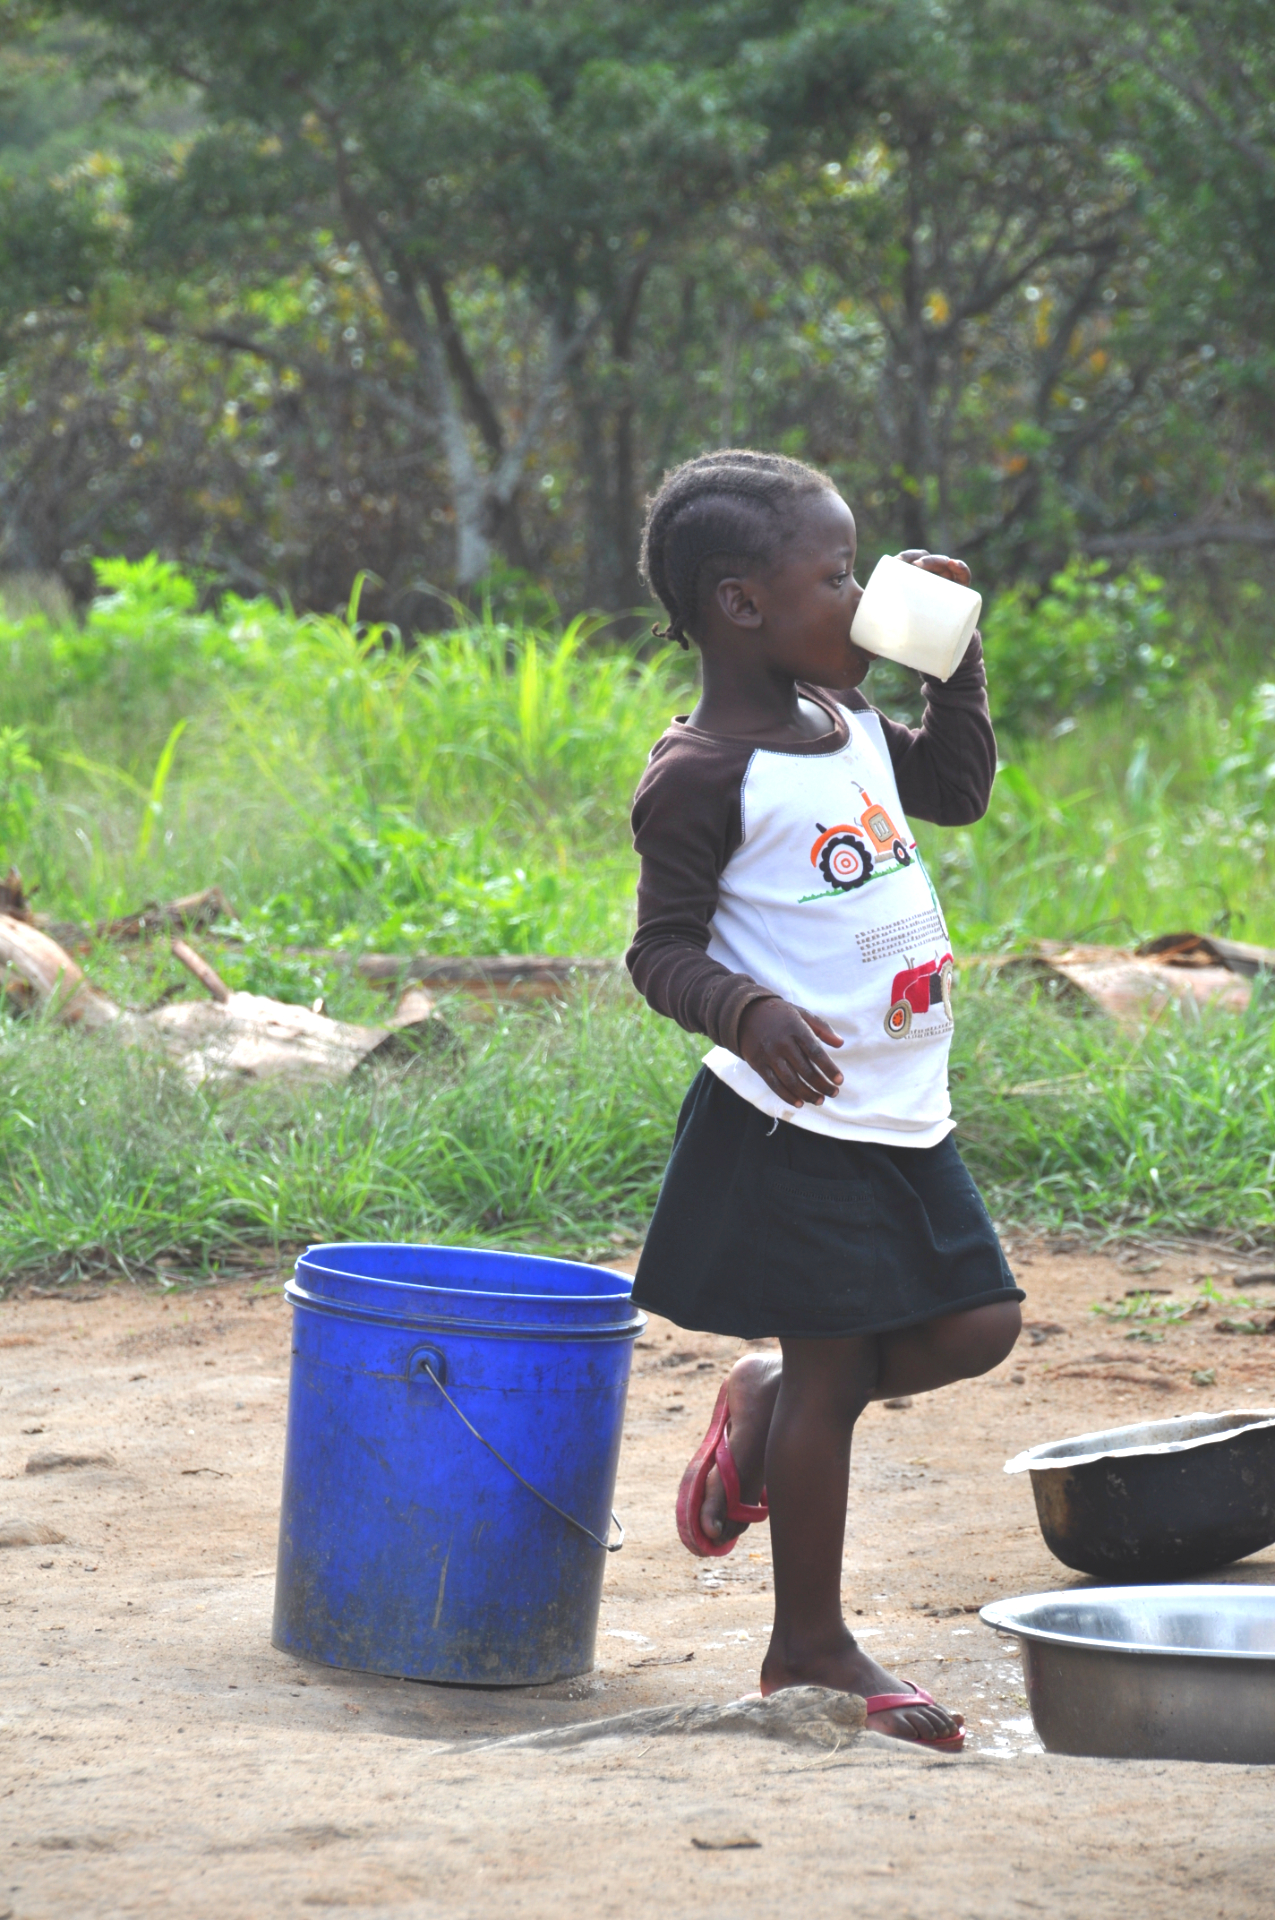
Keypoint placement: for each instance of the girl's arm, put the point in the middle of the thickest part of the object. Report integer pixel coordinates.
(686, 825)
(687, 822)
(945, 767)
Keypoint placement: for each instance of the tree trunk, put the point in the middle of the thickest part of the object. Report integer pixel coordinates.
(606, 410)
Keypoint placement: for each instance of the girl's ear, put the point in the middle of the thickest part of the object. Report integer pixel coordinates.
(735, 598)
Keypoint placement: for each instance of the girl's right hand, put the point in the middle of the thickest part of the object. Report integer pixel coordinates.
(780, 1042)
(938, 563)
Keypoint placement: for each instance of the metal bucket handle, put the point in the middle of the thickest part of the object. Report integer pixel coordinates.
(429, 1361)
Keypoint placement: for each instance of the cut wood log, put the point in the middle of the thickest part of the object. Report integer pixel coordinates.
(206, 975)
(251, 1037)
(502, 976)
(1129, 985)
(47, 978)
(414, 1008)
(235, 1036)
(1205, 950)
(247, 1036)
(193, 913)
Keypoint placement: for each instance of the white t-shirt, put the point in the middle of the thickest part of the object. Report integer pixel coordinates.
(793, 871)
(828, 903)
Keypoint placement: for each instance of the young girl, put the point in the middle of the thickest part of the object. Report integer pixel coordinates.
(784, 911)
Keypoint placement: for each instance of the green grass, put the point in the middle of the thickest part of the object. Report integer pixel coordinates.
(545, 1129)
(467, 795)
(471, 794)
(1117, 832)
(1069, 1120)
(549, 1129)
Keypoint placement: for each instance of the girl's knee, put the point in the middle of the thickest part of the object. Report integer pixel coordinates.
(984, 1336)
(837, 1376)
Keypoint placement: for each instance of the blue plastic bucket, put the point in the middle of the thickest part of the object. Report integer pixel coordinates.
(454, 1423)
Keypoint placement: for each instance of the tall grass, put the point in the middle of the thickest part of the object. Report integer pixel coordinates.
(550, 1130)
(547, 1128)
(1070, 1120)
(471, 793)
(337, 784)
(1117, 831)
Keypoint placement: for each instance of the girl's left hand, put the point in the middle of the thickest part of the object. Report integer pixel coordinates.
(938, 563)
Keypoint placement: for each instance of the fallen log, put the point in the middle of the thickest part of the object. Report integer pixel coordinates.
(193, 913)
(1205, 950)
(1131, 984)
(251, 1037)
(248, 1036)
(35, 972)
(232, 1036)
(502, 976)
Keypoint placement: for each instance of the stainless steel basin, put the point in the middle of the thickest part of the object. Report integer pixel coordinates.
(1169, 1672)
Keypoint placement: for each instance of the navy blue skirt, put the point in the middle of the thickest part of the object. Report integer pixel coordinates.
(765, 1229)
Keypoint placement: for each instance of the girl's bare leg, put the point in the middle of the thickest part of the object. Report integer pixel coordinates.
(825, 1386)
(807, 1407)
(956, 1347)
(751, 1388)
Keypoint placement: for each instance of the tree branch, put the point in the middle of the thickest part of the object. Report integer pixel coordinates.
(309, 367)
(1197, 533)
(1190, 88)
(1081, 303)
(566, 348)
(477, 400)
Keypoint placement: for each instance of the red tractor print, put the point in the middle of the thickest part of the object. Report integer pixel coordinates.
(916, 990)
(844, 855)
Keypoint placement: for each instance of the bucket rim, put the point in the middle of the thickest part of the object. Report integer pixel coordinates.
(431, 1319)
(479, 1253)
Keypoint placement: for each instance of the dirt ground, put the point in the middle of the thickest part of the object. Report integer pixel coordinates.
(160, 1757)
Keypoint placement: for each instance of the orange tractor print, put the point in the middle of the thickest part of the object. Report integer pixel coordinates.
(916, 990)
(845, 855)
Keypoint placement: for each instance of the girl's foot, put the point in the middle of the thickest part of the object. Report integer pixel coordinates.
(751, 1387)
(849, 1669)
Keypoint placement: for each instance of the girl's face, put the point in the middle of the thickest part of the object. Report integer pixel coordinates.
(808, 601)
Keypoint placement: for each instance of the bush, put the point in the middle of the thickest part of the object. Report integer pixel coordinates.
(18, 767)
(1090, 638)
(1249, 758)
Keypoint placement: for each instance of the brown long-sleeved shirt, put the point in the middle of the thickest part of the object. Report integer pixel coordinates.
(688, 821)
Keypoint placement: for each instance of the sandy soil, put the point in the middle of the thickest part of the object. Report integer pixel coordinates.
(161, 1758)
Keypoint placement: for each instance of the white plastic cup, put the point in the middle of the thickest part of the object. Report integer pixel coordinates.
(917, 618)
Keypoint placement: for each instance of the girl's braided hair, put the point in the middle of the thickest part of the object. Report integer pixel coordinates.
(719, 514)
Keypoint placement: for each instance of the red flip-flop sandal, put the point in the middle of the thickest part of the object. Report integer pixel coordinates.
(918, 1697)
(713, 1449)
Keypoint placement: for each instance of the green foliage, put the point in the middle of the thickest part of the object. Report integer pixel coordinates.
(425, 299)
(551, 1129)
(470, 794)
(553, 1134)
(1250, 755)
(1091, 638)
(1112, 834)
(54, 242)
(346, 786)
(1071, 1120)
(139, 635)
(18, 769)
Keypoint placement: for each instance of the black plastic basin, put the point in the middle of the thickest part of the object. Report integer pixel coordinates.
(1161, 1501)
